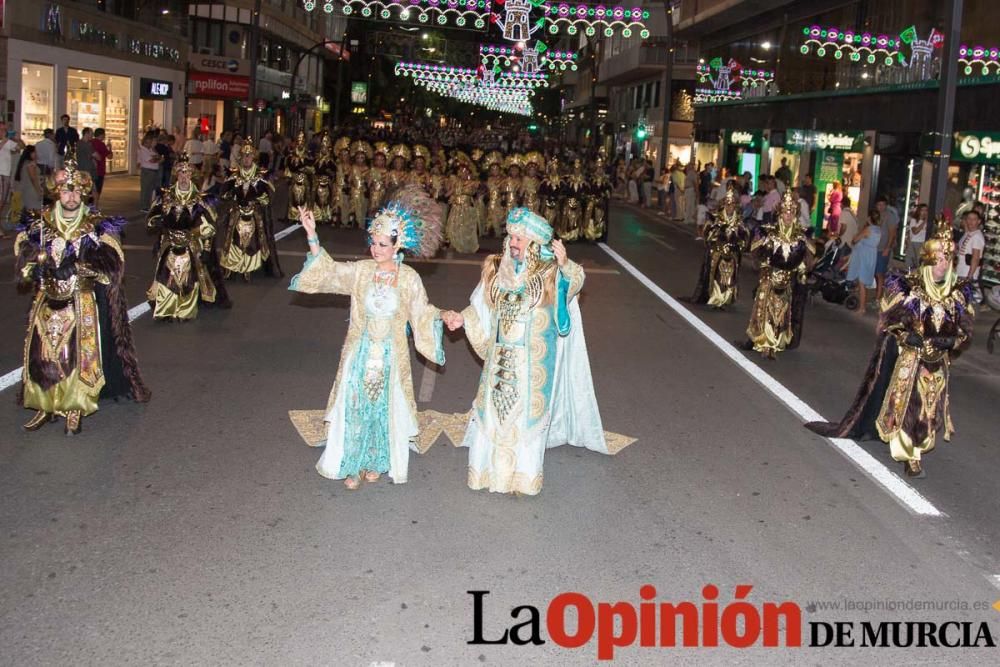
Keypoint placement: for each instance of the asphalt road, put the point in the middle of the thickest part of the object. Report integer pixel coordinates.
(194, 529)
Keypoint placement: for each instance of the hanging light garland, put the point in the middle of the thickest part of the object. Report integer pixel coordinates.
(728, 80)
(454, 13)
(855, 45)
(987, 61)
(528, 58)
(610, 21)
(505, 101)
(487, 77)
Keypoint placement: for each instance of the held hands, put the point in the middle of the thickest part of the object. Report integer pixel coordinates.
(560, 252)
(452, 320)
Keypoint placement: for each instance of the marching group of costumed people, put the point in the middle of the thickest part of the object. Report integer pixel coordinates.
(524, 321)
(925, 321)
(345, 182)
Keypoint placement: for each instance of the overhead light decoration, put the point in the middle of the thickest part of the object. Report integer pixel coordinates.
(529, 58)
(728, 80)
(572, 18)
(472, 14)
(488, 77)
(504, 101)
(979, 60)
(856, 46)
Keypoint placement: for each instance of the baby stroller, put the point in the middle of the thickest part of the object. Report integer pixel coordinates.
(829, 279)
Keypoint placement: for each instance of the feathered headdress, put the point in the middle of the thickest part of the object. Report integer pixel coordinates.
(413, 219)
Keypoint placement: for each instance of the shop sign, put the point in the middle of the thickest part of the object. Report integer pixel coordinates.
(744, 138)
(218, 86)
(154, 50)
(154, 89)
(92, 34)
(359, 92)
(219, 64)
(977, 147)
(827, 141)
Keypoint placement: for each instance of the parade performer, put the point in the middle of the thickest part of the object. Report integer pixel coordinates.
(574, 189)
(357, 184)
(551, 192)
(494, 205)
(785, 254)
(531, 199)
(78, 346)
(249, 238)
(187, 266)
(399, 174)
(536, 390)
(463, 218)
(510, 188)
(325, 202)
(418, 174)
(726, 238)
(339, 183)
(299, 171)
(378, 178)
(925, 320)
(371, 415)
(598, 200)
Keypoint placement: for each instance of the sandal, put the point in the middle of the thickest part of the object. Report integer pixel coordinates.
(371, 476)
(352, 483)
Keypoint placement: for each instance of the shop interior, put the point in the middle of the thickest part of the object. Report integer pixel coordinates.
(98, 100)
(37, 83)
(153, 115)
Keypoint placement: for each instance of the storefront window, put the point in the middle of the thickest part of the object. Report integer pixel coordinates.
(37, 95)
(101, 100)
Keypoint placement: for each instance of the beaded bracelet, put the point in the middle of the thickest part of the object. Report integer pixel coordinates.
(312, 239)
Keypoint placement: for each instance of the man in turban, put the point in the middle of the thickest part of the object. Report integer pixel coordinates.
(536, 389)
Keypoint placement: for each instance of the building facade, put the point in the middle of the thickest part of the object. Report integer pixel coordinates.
(293, 42)
(103, 63)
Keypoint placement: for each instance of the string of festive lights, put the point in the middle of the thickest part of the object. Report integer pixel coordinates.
(590, 18)
(979, 60)
(456, 13)
(422, 72)
(527, 58)
(504, 101)
(855, 45)
(729, 80)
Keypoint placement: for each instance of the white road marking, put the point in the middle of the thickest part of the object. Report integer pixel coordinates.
(658, 238)
(285, 232)
(892, 483)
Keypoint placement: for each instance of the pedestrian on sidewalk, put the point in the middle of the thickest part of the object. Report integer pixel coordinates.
(149, 172)
(47, 151)
(677, 190)
(971, 247)
(85, 152)
(102, 153)
(28, 180)
(918, 234)
(864, 256)
(889, 222)
(10, 145)
(690, 193)
(66, 138)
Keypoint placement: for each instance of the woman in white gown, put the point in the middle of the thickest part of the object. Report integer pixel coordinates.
(371, 415)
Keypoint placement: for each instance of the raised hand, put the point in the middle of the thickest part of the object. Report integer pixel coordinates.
(560, 252)
(308, 220)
